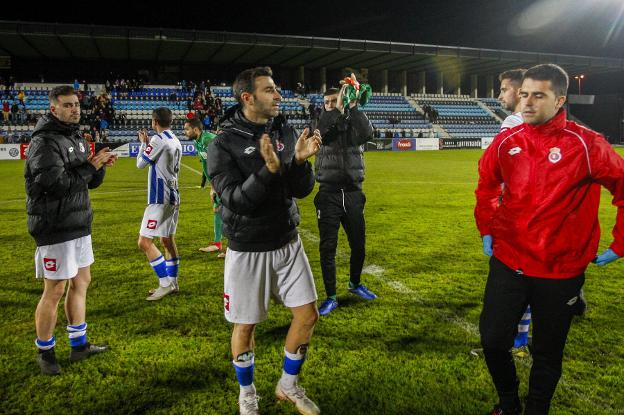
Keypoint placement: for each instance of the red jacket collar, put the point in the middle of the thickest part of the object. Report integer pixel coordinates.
(556, 123)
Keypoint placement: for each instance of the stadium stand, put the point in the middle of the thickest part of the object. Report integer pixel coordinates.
(459, 117)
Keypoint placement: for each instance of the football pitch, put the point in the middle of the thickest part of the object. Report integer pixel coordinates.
(406, 353)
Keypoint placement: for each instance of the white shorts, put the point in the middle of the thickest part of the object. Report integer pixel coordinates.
(61, 261)
(252, 278)
(160, 220)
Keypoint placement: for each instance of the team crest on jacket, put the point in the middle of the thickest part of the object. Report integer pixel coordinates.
(555, 155)
(280, 146)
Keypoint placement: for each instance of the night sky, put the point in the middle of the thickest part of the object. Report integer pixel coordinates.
(582, 27)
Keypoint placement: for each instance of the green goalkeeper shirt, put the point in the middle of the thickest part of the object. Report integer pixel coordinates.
(201, 145)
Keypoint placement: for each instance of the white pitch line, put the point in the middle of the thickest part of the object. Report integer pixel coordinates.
(378, 272)
(192, 169)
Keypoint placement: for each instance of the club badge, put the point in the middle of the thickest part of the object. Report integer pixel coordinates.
(555, 155)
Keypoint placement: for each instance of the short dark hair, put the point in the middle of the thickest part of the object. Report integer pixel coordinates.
(331, 91)
(163, 116)
(61, 90)
(246, 81)
(514, 75)
(550, 72)
(195, 123)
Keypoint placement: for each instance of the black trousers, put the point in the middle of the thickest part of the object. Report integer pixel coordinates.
(333, 209)
(553, 304)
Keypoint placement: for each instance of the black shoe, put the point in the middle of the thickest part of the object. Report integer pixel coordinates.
(498, 411)
(46, 359)
(82, 352)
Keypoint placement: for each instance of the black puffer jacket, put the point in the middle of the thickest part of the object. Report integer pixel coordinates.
(340, 164)
(258, 210)
(58, 176)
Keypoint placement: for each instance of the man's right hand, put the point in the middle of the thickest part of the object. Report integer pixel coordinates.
(487, 245)
(102, 158)
(143, 136)
(268, 154)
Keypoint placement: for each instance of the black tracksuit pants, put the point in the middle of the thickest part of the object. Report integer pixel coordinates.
(553, 304)
(334, 208)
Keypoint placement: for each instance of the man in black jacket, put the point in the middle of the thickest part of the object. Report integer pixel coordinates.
(340, 172)
(258, 166)
(59, 171)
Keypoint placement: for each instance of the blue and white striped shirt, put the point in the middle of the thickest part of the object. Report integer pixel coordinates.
(162, 155)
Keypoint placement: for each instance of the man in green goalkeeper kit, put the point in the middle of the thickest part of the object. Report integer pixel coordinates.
(193, 130)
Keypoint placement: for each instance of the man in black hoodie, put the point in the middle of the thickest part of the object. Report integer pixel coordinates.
(258, 166)
(340, 172)
(59, 171)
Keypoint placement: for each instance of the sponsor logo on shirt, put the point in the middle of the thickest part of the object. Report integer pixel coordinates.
(151, 224)
(82, 148)
(249, 150)
(555, 155)
(514, 151)
(49, 264)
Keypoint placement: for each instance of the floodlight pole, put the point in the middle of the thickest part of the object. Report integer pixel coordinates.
(579, 78)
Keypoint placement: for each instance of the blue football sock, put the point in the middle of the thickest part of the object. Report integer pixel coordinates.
(77, 334)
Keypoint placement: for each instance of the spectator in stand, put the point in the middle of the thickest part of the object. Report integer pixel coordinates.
(218, 104)
(209, 100)
(14, 111)
(85, 86)
(22, 115)
(6, 111)
(21, 96)
(207, 122)
(96, 123)
(76, 85)
(198, 104)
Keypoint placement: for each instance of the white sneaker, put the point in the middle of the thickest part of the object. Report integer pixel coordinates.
(210, 248)
(160, 292)
(297, 396)
(248, 404)
(176, 288)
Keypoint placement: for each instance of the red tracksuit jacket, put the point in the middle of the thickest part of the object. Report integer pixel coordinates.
(546, 224)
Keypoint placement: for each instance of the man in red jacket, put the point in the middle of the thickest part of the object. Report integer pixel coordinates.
(541, 232)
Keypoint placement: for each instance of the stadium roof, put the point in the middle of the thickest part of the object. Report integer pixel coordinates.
(26, 40)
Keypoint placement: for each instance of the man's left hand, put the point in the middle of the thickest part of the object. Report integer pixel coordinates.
(605, 258)
(307, 145)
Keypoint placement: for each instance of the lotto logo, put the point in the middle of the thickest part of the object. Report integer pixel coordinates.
(151, 224)
(226, 302)
(148, 149)
(49, 264)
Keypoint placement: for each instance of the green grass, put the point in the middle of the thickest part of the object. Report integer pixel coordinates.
(407, 353)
